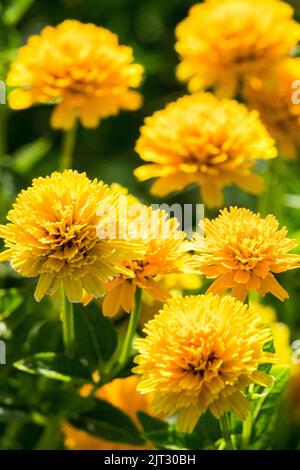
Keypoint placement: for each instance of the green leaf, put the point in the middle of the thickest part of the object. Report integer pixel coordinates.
(27, 156)
(266, 408)
(164, 435)
(54, 366)
(65, 403)
(268, 347)
(108, 422)
(12, 414)
(96, 337)
(43, 337)
(15, 11)
(10, 300)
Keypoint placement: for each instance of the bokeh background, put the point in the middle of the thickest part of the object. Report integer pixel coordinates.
(29, 148)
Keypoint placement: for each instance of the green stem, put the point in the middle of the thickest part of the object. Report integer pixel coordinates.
(68, 147)
(68, 326)
(132, 327)
(131, 330)
(49, 437)
(247, 430)
(9, 439)
(271, 201)
(226, 431)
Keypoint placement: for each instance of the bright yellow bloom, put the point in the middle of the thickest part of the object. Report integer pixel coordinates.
(243, 251)
(201, 352)
(200, 139)
(222, 41)
(271, 95)
(53, 235)
(165, 253)
(121, 393)
(79, 67)
(280, 332)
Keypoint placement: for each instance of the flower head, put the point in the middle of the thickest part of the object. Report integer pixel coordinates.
(79, 67)
(122, 394)
(243, 251)
(200, 139)
(53, 235)
(271, 95)
(165, 253)
(221, 42)
(200, 352)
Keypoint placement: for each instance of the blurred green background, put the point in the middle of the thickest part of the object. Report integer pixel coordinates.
(29, 148)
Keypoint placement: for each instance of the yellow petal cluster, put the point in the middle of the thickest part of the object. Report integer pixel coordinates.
(200, 139)
(199, 353)
(223, 41)
(276, 96)
(243, 251)
(81, 68)
(165, 252)
(52, 234)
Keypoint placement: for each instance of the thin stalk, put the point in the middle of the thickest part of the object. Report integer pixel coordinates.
(127, 345)
(9, 438)
(247, 430)
(68, 326)
(49, 437)
(226, 431)
(68, 147)
(132, 327)
(271, 200)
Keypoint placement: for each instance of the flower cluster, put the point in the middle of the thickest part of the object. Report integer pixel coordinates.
(201, 352)
(243, 251)
(272, 96)
(200, 139)
(52, 235)
(222, 42)
(165, 254)
(79, 67)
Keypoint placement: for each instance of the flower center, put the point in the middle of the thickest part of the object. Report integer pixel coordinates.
(68, 243)
(206, 364)
(202, 357)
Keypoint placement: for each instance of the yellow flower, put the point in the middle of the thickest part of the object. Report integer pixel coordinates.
(80, 67)
(280, 332)
(243, 251)
(165, 253)
(222, 41)
(53, 235)
(271, 95)
(199, 139)
(122, 394)
(199, 353)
